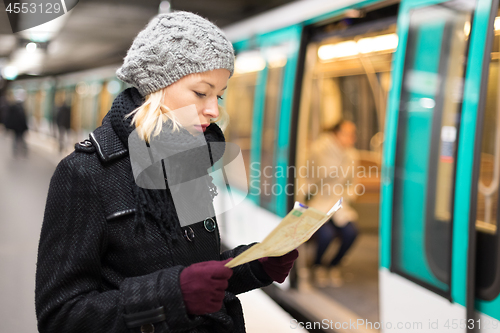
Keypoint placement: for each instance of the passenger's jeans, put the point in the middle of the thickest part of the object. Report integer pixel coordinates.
(327, 233)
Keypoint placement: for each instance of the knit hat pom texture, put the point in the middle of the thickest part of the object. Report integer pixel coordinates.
(172, 46)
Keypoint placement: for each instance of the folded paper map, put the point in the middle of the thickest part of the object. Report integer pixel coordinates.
(295, 228)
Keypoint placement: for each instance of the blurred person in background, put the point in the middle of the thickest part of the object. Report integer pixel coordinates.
(15, 120)
(113, 256)
(334, 160)
(63, 119)
(4, 106)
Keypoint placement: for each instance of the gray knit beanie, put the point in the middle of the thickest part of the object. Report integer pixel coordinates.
(172, 46)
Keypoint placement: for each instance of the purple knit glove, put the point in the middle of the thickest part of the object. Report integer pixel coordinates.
(203, 285)
(278, 267)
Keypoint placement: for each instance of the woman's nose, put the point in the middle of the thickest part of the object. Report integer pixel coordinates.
(212, 108)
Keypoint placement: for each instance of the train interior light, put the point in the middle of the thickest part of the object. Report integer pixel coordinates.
(366, 45)
(249, 62)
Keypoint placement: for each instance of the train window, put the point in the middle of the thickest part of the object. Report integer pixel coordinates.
(487, 252)
(347, 76)
(429, 114)
(271, 111)
(239, 105)
(37, 109)
(352, 85)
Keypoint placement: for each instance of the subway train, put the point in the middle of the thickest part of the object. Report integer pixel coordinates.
(420, 80)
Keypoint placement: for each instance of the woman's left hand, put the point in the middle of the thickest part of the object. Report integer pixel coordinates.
(278, 267)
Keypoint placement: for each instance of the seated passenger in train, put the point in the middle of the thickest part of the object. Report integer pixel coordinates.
(333, 162)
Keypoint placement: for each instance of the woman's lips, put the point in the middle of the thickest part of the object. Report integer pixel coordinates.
(202, 127)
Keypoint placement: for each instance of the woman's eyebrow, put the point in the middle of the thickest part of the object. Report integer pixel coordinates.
(211, 85)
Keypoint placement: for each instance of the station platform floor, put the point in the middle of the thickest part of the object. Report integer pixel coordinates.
(24, 184)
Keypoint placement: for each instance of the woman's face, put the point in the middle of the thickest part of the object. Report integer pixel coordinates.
(347, 134)
(198, 95)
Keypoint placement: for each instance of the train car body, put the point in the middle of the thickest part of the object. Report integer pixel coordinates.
(439, 252)
(89, 95)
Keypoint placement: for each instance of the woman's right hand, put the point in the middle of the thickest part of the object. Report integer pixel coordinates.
(203, 286)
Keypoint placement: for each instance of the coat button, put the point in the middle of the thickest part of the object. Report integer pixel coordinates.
(85, 143)
(209, 224)
(188, 234)
(147, 328)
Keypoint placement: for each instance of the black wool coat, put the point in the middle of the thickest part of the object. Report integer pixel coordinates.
(97, 272)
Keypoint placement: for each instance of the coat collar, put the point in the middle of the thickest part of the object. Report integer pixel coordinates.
(110, 139)
(108, 145)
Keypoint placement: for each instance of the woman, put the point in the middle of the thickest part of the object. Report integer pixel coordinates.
(113, 256)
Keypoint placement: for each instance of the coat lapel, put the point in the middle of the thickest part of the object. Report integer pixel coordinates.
(108, 145)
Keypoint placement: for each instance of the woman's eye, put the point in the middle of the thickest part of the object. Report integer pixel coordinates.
(199, 94)
(220, 98)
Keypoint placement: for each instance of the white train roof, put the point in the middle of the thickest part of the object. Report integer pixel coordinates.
(283, 16)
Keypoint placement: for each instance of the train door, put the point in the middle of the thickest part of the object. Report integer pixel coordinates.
(426, 252)
(485, 187)
(346, 76)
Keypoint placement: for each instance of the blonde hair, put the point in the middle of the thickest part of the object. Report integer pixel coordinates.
(149, 117)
